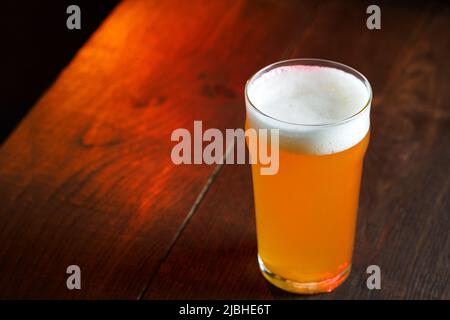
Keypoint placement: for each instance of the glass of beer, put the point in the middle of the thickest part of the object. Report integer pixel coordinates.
(306, 212)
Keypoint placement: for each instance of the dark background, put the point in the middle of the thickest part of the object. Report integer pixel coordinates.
(36, 45)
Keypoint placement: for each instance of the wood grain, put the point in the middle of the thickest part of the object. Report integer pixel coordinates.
(87, 177)
(404, 213)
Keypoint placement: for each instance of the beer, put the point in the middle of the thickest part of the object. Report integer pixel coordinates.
(306, 213)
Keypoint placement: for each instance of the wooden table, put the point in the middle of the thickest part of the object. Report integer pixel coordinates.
(87, 178)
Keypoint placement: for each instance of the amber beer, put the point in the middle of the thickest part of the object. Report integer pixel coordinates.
(306, 213)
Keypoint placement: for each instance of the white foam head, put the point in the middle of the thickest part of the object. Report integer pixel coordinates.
(319, 110)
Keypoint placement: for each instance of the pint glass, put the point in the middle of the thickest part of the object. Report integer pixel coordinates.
(306, 212)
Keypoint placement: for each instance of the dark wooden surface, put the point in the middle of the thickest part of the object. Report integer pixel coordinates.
(87, 177)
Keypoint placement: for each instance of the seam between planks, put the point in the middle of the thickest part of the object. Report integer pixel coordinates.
(186, 220)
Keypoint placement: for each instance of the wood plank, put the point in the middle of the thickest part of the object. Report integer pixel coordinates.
(87, 177)
(403, 218)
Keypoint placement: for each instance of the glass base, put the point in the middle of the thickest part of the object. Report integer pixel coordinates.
(293, 286)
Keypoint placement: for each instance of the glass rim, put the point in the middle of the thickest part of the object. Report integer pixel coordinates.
(312, 62)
